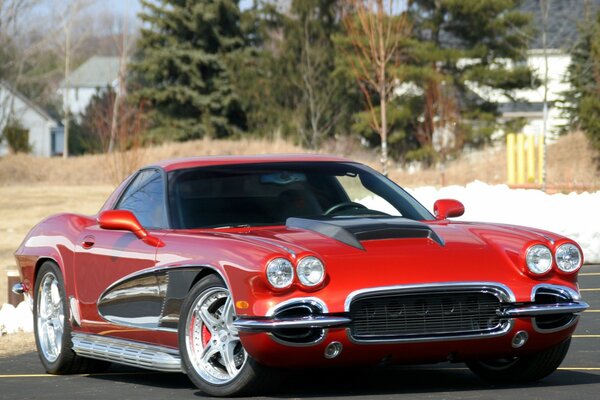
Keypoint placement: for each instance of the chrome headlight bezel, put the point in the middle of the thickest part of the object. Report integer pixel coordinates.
(563, 260)
(280, 273)
(310, 265)
(535, 254)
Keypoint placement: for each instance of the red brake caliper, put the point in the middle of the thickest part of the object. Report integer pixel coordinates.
(205, 335)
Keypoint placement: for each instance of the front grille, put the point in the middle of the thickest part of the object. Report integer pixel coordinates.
(424, 315)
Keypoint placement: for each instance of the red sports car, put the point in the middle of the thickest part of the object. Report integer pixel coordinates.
(224, 267)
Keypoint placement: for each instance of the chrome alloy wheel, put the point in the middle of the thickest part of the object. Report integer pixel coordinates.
(211, 340)
(50, 317)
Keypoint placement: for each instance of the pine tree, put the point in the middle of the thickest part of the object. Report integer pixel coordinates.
(307, 98)
(459, 48)
(182, 67)
(581, 101)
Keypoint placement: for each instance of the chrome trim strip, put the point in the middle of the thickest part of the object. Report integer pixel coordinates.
(18, 288)
(315, 301)
(502, 292)
(506, 327)
(545, 309)
(566, 292)
(270, 325)
(75, 314)
(127, 352)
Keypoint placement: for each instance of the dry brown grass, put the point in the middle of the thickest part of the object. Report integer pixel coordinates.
(97, 169)
(570, 166)
(570, 161)
(16, 343)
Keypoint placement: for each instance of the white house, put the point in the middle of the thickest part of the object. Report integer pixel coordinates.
(93, 76)
(564, 17)
(45, 133)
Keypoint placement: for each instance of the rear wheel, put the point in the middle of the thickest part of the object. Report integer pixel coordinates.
(521, 369)
(213, 355)
(52, 328)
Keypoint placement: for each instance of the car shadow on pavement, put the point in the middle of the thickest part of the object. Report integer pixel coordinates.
(399, 380)
(334, 382)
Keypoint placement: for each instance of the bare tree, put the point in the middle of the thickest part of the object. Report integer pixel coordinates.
(124, 46)
(545, 8)
(318, 89)
(67, 44)
(376, 29)
(124, 131)
(11, 67)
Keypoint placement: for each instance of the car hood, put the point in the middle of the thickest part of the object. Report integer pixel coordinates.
(466, 252)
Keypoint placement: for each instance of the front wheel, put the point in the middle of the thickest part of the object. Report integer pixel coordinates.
(52, 328)
(528, 368)
(213, 355)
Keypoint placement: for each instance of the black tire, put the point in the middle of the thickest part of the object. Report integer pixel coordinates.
(250, 374)
(58, 358)
(524, 369)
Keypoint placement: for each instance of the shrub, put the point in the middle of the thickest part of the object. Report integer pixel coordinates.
(17, 137)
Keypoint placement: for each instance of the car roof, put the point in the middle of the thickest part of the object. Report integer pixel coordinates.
(192, 162)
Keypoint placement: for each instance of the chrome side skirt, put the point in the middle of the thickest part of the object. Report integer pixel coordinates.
(127, 352)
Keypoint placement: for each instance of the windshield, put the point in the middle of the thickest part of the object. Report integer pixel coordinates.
(268, 194)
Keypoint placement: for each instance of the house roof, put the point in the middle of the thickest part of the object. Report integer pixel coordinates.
(564, 17)
(96, 72)
(43, 113)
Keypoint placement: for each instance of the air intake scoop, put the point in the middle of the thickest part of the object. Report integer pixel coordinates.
(352, 231)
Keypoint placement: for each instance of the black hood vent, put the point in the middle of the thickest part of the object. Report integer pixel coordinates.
(352, 231)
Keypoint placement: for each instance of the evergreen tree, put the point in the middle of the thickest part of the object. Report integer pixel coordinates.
(294, 70)
(462, 48)
(182, 68)
(581, 101)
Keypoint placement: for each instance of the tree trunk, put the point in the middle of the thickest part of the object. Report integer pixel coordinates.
(382, 87)
(66, 108)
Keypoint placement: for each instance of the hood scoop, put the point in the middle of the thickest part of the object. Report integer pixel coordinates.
(352, 231)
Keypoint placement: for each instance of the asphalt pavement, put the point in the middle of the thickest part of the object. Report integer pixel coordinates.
(22, 377)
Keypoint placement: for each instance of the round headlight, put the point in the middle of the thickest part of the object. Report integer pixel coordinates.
(311, 271)
(539, 259)
(280, 273)
(568, 257)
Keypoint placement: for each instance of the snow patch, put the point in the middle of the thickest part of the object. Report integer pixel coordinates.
(16, 319)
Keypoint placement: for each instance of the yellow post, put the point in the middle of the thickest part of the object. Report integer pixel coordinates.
(510, 158)
(520, 159)
(540, 159)
(530, 159)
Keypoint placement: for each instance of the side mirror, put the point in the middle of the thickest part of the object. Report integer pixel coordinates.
(448, 208)
(125, 220)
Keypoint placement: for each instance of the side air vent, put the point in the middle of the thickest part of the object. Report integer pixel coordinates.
(551, 323)
(298, 336)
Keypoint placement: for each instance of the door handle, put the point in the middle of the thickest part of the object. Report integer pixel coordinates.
(88, 242)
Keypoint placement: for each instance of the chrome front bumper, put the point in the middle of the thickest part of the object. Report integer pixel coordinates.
(568, 303)
(324, 322)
